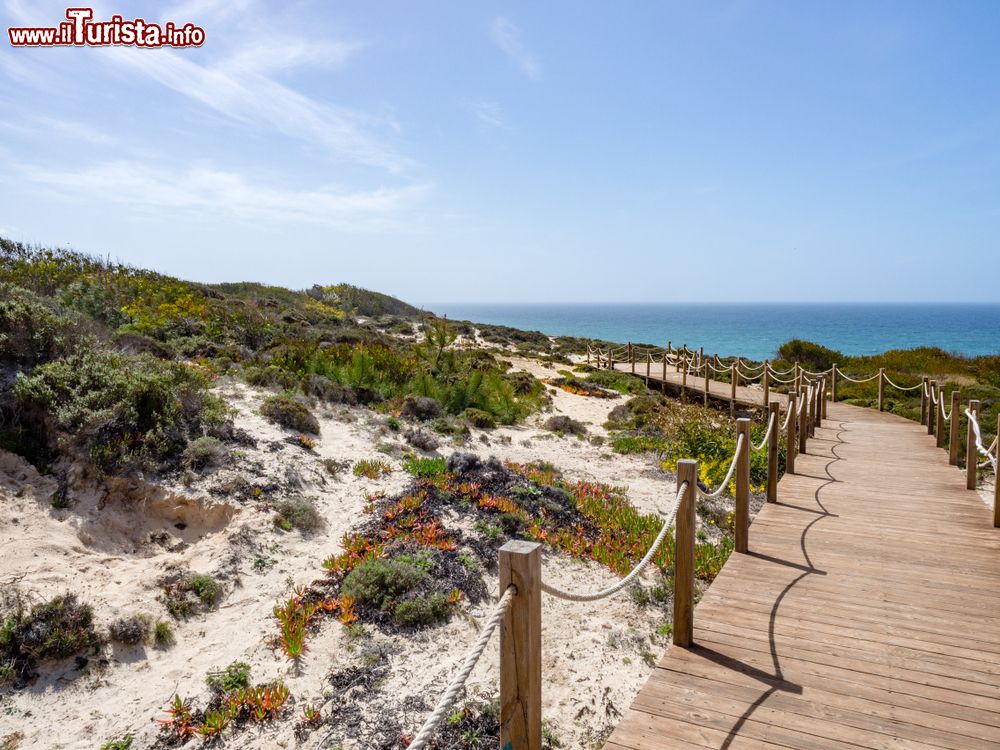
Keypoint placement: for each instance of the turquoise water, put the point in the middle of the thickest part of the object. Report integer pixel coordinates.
(755, 330)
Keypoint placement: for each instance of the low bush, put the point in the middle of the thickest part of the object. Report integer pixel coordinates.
(298, 513)
(31, 330)
(426, 468)
(618, 381)
(236, 676)
(422, 611)
(196, 591)
(56, 629)
(203, 452)
(479, 418)
(283, 409)
(163, 634)
(127, 411)
(130, 630)
(379, 583)
(565, 425)
(421, 440)
(372, 468)
(422, 408)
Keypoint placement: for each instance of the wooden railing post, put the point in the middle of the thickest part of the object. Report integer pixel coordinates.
(701, 355)
(923, 400)
(791, 440)
(521, 647)
(931, 412)
(766, 380)
(833, 385)
(687, 472)
(956, 418)
(813, 404)
(941, 424)
(741, 518)
(611, 359)
(631, 357)
(718, 363)
(774, 412)
(804, 423)
(881, 389)
(996, 486)
(971, 454)
(649, 363)
(798, 378)
(670, 347)
(663, 381)
(707, 384)
(822, 401)
(684, 379)
(732, 389)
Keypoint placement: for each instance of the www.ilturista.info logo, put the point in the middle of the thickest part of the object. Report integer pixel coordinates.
(80, 30)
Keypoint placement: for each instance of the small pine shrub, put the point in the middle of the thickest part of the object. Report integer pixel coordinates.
(479, 418)
(284, 410)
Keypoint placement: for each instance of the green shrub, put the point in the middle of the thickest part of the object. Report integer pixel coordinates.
(31, 330)
(372, 468)
(380, 583)
(184, 597)
(234, 677)
(479, 418)
(120, 744)
(128, 411)
(204, 451)
(809, 355)
(422, 611)
(163, 634)
(56, 629)
(284, 410)
(565, 425)
(206, 588)
(298, 513)
(618, 381)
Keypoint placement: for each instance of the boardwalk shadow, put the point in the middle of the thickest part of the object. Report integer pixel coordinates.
(777, 681)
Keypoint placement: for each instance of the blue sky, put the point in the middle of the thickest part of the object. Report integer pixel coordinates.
(572, 151)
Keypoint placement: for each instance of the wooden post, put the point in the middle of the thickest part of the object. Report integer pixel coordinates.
(791, 439)
(881, 389)
(939, 434)
(701, 355)
(822, 401)
(767, 383)
(741, 518)
(956, 419)
(663, 382)
(774, 412)
(923, 400)
(670, 347)
(687, 472)
(732, 389)
(684, 379)
(588, 355)
(798, 378)
(649, 363)
(803, 428)
(812, 409)
(707, 371)
(971, 454)
(833, 385)
(996, 487)
(521, 647)
(718, 364)
(631, 357)
(931, 413)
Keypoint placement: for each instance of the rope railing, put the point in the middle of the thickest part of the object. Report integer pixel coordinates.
(729, 474)
(454, 689)
(862, 380)
(903, 388)
(593, 596)
(983, 450)
(767, 436)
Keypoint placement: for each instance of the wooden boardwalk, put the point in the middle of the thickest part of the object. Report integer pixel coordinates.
(867, 613)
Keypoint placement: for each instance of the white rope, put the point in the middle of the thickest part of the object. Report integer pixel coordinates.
(934, 395)
(729, 474)
(788, 416)
(770, 427)
(450, 695)
(752, 368)
(974, 423)
(595, 595)
(901, 388)
(863, 380)
(779, 372)
(818, 374)
(779, 380)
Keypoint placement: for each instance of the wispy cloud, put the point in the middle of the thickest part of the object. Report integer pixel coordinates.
(507, 36)
(213, 192)
(489, 113)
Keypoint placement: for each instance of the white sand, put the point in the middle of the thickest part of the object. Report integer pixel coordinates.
(100, 549)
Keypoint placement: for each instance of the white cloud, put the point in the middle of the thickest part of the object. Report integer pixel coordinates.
(214, 192)
(507, 36)
(489, 113)
(269, 55)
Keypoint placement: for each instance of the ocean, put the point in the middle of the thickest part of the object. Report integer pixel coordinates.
(755, 330)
